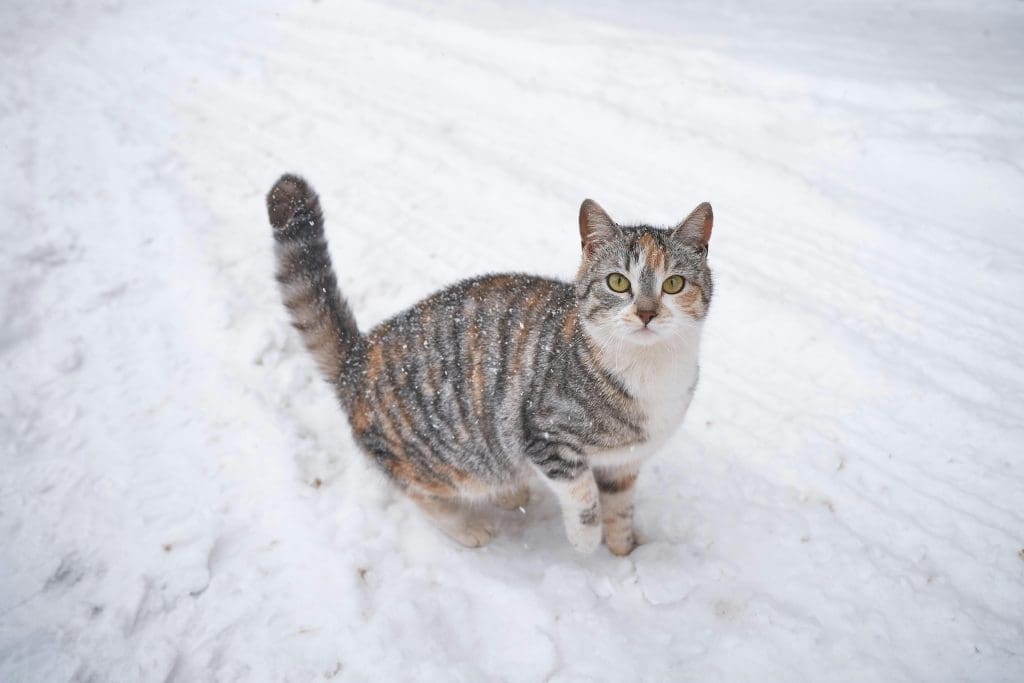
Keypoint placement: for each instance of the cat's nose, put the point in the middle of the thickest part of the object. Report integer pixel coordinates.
(646, 315)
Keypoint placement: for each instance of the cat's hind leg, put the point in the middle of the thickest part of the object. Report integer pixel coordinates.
(513, 499)
(455, 519)
(438, 489)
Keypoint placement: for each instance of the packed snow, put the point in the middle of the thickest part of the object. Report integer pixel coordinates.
(180, 498)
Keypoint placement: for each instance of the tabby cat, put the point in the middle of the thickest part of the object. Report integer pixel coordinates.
(466, 395)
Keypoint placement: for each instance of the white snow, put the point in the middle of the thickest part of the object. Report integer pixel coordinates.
(844, 503)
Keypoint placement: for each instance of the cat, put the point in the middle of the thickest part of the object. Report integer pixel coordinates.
(475, 389)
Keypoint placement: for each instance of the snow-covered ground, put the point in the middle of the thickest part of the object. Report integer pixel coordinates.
(179, 496)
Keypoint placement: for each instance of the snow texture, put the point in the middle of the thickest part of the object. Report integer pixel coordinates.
(180, 498)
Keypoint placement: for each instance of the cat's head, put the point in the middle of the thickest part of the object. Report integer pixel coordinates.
(643, 285)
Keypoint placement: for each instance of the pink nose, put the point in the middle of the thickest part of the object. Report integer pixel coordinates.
(646, 316)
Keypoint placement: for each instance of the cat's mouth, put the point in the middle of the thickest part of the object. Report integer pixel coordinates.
(644, 336)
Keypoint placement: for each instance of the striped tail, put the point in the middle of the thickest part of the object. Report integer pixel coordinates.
(308, 285)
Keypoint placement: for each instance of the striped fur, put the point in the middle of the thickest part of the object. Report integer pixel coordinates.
(464, 396)
(308, 284)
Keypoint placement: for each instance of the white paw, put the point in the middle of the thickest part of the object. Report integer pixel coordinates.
(584, 537)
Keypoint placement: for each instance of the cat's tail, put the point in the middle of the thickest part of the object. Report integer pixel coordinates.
(308, 285)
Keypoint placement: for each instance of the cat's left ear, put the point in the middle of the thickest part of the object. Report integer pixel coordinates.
(696, 228)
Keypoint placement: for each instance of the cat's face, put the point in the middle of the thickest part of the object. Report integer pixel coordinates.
(642, 285)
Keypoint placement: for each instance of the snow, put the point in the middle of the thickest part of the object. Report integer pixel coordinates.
(180, 498)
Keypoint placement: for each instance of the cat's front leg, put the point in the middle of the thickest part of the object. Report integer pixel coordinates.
(616, 491)
(573, 483)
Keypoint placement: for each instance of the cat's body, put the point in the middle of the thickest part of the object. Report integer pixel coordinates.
(482, 385)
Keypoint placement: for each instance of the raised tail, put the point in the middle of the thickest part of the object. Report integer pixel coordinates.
(308, 285)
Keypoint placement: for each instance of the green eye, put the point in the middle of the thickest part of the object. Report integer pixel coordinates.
(617, 282)
(673, 284)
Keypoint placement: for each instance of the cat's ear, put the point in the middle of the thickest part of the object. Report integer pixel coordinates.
(596, 226)
(696, 228)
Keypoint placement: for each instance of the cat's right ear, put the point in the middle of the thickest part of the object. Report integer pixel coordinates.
(596, 227)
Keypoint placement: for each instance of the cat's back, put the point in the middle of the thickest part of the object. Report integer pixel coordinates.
(476, 305)
(483, 329)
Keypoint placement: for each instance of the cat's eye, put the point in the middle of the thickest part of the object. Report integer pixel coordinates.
(617, 282)
(673, 284)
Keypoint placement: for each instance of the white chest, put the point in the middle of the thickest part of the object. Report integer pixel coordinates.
(663, 383)
(665, 396)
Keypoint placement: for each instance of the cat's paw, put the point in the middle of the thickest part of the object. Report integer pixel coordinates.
(584, 537)
(472, 534)
(621, 544)
(513, 500)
